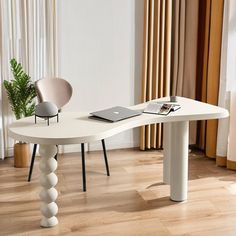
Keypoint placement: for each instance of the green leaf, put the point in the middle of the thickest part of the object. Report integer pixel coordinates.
(20, 91)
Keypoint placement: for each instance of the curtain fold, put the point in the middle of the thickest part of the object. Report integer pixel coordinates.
(196, 36)
(224, 95)
(209, 68)
(196, 55)
(28, 32)
(226, 148)
(231, 158)
(184, 52)
(156, 63)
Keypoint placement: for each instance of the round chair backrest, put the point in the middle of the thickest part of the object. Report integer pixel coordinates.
(55, 90)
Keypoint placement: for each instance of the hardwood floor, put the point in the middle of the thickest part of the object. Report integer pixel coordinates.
(132, 201)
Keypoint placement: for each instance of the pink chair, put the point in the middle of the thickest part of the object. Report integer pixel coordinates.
(51, 90)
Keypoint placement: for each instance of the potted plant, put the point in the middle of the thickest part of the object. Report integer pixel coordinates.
(21, 93)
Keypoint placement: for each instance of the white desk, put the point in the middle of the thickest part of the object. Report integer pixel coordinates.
(76, 127)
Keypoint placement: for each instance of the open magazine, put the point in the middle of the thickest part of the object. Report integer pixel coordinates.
(161, 108)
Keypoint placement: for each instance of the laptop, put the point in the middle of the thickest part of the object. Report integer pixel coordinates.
(115, 114)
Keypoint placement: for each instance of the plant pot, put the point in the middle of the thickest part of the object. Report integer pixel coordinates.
(21, 155)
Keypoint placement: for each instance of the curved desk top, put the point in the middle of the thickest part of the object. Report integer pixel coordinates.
(76, 127)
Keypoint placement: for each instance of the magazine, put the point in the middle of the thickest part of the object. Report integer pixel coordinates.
(161, 108)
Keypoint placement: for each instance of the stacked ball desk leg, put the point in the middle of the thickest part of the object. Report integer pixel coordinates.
(48, 181)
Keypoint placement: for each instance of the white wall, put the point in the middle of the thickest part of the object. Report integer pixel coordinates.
(100, 48)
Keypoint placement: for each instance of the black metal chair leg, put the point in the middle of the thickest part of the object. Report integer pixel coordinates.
(83, 167)
(105, 157)
(32, 162)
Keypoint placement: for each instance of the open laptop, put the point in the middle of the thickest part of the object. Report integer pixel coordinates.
(115, 114)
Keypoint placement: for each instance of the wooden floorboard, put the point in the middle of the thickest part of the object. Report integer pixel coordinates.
(132, 201)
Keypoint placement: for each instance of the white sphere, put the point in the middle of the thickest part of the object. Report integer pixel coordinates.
(48, 166)
(48, 195)
(49, 222)
(49, 210)
(48, 181)
(47, 151)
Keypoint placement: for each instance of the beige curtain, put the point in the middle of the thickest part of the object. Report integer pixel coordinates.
(28, 32)
(210, 26)
(184, 52)
(196, 52)
(156, 63)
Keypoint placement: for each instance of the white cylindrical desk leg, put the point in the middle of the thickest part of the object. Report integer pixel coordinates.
(48, 181)
(179, 161)
(167, 153)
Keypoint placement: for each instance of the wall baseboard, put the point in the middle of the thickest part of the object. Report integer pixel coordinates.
(8, 153)
(96, 147)
(88, 147)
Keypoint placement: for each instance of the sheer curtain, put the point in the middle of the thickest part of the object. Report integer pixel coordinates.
(28, 32)
(226, 148)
